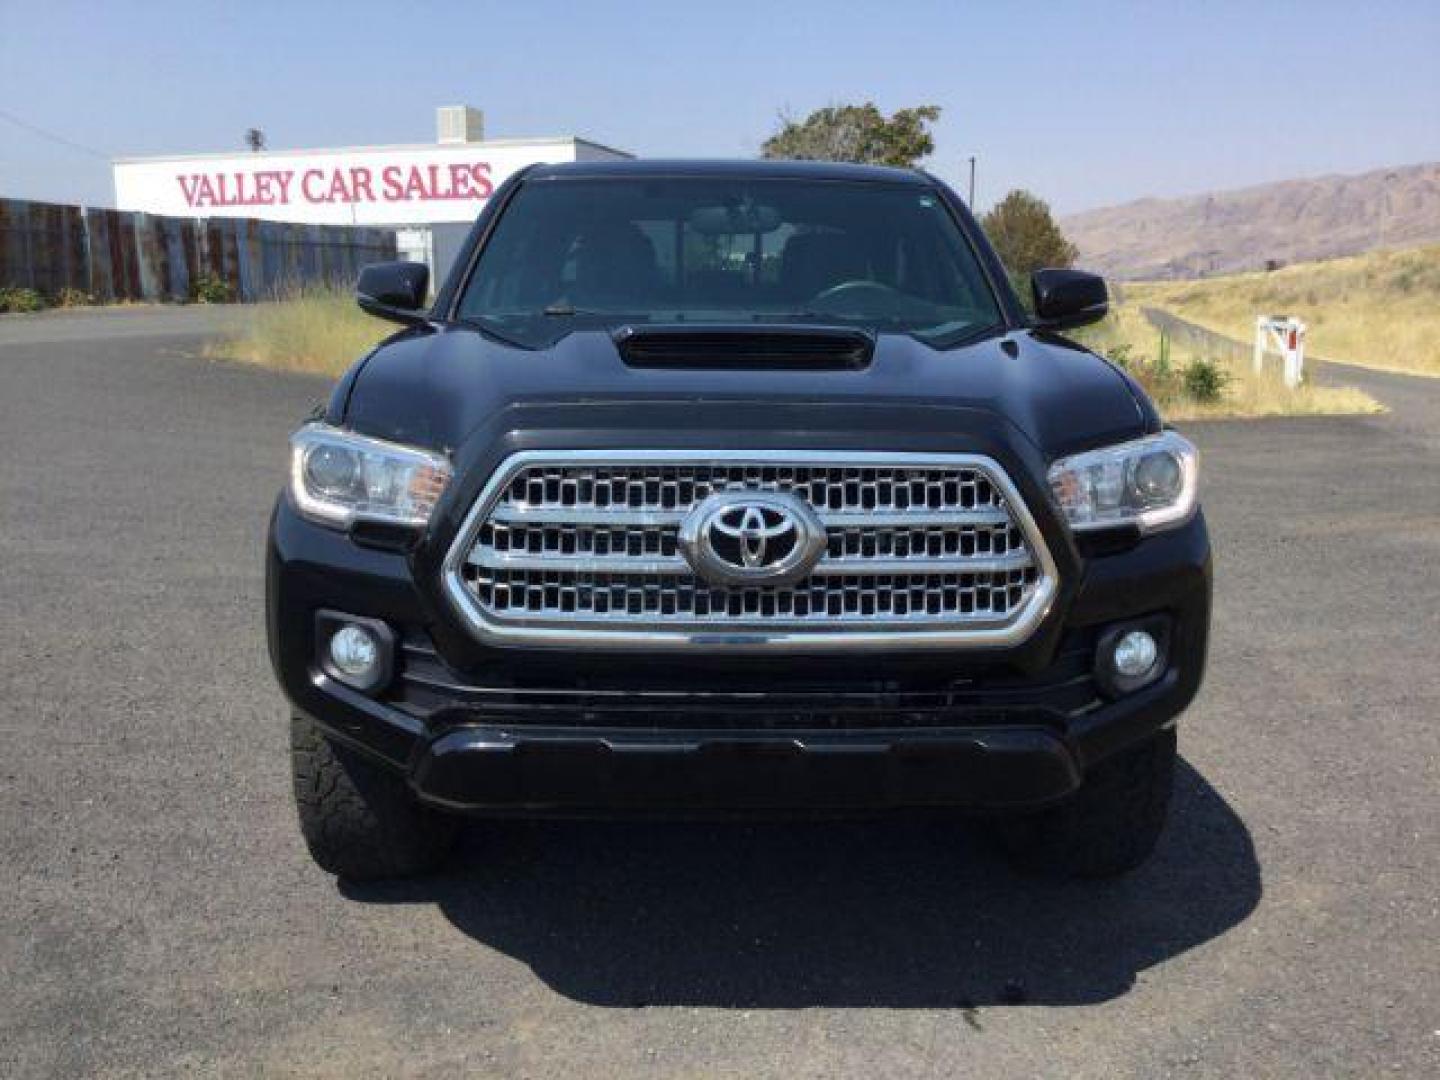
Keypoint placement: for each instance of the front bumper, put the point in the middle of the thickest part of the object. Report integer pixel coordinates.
(478, 768)
(509, 731)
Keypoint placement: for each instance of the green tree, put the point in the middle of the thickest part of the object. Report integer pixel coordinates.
(1026, 237)
(859, 133)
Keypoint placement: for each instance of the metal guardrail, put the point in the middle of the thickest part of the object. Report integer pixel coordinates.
(1218, 346)
(1197, 338)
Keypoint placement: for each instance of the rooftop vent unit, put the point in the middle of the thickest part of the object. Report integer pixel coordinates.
(457, 124)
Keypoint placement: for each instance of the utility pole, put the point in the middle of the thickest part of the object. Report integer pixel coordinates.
(1386, 203)
(972, 183)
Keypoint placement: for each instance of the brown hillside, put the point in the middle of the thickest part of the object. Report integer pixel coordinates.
(1291, 221)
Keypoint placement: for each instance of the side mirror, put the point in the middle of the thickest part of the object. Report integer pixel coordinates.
(394, 291)
(1065, 299)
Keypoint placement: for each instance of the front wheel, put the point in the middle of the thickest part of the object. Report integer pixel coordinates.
(1108, 827)
(360, 820)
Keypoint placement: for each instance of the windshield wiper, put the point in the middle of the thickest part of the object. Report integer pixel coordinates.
(565, 311)
(830, 316)
(964, 335)
(488, 328)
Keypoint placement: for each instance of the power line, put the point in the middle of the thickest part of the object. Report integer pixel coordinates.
(52, 136)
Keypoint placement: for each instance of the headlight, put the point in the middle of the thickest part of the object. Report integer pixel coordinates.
(1149, 483)
(337, 478)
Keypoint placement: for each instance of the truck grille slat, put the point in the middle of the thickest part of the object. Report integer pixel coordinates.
(583, 547)
(523, 513)
(490, 559)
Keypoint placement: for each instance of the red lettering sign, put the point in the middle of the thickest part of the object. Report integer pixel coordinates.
(311, 189)
(427, 182)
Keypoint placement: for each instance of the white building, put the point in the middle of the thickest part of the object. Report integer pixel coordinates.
(429, 193)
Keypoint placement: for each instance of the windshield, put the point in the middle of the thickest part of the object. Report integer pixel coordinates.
(573, 253)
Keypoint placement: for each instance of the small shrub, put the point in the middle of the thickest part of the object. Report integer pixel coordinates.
(211, 289)
(1163, 385)
(1205, 381)
(73, 298)
(19, 298)
(1121, 355)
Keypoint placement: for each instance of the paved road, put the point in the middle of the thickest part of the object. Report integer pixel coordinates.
(158, 913)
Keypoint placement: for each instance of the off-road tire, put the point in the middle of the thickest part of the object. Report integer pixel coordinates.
(359, 820)
(1110, 826)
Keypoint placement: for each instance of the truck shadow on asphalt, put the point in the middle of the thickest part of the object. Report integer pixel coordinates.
(900, 914)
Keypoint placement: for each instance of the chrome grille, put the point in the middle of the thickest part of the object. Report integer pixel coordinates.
(582, 548)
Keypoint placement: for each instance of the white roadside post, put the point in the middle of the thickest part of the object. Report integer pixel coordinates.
(1288, 335)
(1295, 354)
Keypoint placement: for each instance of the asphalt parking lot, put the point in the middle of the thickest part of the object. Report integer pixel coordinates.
(158, 912)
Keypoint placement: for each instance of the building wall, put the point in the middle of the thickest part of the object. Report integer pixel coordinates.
(588, 151)
(381, 186)
(415, 244)
(446, 241)
(430, 194)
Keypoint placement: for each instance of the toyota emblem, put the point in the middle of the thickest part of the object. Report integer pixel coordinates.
(752, 538)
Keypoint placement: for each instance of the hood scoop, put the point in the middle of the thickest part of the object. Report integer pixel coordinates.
(793, 348)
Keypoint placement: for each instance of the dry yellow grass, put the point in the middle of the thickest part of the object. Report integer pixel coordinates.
(1125, 335)
(1380, 310)
(315, 330)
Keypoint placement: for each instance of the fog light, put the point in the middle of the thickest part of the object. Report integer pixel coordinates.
(354, 651)
(1135, 654)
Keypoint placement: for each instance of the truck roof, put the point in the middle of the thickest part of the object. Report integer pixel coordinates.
(757, 168)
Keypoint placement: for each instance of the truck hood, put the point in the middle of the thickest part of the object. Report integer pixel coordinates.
(441, 387)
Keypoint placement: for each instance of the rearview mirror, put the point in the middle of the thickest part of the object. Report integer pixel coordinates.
(394, 291)
(729, 220)
(1065, 299)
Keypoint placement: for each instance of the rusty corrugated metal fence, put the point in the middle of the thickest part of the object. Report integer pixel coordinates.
(122, 255)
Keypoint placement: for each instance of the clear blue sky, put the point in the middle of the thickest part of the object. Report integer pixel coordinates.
(1085, 103)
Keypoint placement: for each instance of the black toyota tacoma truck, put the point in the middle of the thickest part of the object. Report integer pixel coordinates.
(710, 488)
